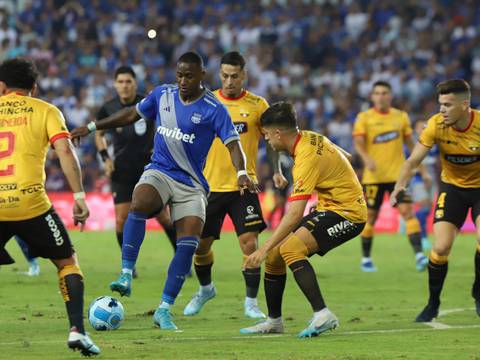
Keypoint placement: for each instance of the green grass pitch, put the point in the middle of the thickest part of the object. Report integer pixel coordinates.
(376, 311)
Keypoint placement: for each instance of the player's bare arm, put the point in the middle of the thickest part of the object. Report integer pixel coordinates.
(101, 145)
(121, 118)
(288, 224)
(273, 156)
(239, 162)
(419, 153)
(360, 148)
(71, 168)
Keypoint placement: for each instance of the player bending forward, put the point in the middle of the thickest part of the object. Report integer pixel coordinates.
(341, 213)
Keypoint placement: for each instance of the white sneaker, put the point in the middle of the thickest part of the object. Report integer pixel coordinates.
(254, 312)
(82, 342)
(320, 323)
(264, 327)
(198, 300)
(33, 270)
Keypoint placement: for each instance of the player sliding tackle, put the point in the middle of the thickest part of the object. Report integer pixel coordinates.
(188, 117)
(320, 167)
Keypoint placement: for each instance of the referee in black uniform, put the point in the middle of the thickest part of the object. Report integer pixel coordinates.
(132, 146)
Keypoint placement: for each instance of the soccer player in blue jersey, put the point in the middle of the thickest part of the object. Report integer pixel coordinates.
(188, 117)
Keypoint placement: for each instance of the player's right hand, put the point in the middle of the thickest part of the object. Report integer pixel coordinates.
(78, 133)
(280, 181)
(396, 195)
(109, 167)
(80, 213)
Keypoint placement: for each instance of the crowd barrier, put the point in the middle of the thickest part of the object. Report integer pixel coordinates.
(102, 214)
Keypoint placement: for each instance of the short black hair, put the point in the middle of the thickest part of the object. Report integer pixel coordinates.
(281, 114)
(19, 73)
(453, 86)
(233, 58)
(125, 69)
(191, 57)
(382, 83)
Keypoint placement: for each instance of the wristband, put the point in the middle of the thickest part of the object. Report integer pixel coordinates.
(79, 195)
(91, 126)
(241, 172)
(104, 155)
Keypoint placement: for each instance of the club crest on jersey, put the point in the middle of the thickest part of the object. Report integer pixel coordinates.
(196, 118)
(386, 137)
(474, 147)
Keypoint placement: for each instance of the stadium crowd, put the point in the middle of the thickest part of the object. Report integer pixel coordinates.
(322, 55)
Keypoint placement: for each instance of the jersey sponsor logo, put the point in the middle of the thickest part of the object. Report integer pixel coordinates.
(251, 213)
(462, 159)
(8, 187)
(386, 137)
(340, 228)
(242, 127)
(18, 121)
(196, 118)
(54, 229)
(10, 201)
(176, 134)
(140, 127)
(297, 187)
(32, 189)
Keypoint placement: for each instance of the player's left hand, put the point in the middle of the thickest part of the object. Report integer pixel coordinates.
(256, 259)
(280, 181)
(80, 213)
(245, 182)
(396, 194)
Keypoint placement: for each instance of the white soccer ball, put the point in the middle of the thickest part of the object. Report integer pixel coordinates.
(105, 313)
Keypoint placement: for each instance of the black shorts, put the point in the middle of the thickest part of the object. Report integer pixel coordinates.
(453, 203)
(244, 210)
(122, 191)
(123, 183)
(45, 236)
(374, 194)
(330, 229)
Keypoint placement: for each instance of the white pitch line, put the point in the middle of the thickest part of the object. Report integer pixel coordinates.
(440, 326)
(449, 311)
(437, 325)
(247, 337)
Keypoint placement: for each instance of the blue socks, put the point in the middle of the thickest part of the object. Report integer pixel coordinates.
(422, 215)
(179, 268)
(133, 235)
(25, 250)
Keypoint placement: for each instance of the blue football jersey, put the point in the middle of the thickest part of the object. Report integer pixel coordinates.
(185, 132)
